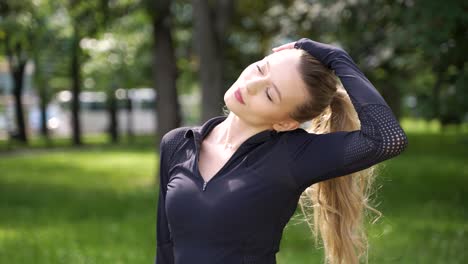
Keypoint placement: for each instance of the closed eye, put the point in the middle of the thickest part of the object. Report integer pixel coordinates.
(269, 97)
(259, 69)
(266, 91)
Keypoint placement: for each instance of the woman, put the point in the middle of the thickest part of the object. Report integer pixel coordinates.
(229, 186)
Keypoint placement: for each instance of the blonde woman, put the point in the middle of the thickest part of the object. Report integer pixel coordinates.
(229, 186)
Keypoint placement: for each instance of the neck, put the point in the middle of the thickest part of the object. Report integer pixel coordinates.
(234, 130)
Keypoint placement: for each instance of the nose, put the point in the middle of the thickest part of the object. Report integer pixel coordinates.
(255, 84)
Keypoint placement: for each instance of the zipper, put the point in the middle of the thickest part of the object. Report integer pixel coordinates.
(205, 183)
(230, 160)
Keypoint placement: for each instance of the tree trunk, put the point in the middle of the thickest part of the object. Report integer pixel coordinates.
(17, 62)
(18, 73)
(392, 96)
(210, 27)
(165, 71)
(42, 90)
(129, 108)
(436, 91)
(391, 92)
(43, 109)
(112, 109)
(76, 88)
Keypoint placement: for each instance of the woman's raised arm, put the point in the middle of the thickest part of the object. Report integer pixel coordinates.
(340, 153)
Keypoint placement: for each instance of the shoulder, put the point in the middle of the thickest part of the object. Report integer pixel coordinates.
(174, 137)
(299, 140)
(297, 136)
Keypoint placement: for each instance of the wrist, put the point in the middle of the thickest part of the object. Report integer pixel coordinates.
(325, 53)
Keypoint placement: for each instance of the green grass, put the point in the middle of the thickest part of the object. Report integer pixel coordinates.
(423, 199)
(98, 205)
(78, 207)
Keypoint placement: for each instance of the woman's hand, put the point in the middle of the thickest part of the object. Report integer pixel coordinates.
(289, 45)
(325, 53)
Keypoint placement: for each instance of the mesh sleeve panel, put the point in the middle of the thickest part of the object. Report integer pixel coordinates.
(381, 138)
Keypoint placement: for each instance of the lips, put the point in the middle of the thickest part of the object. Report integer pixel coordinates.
(238, 96)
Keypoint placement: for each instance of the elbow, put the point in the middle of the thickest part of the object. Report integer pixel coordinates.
(392, 145)
(396, 144)
(401, 140)
(404, 141)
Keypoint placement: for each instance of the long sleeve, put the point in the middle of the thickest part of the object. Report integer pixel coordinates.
(339, 153)
(164, 245)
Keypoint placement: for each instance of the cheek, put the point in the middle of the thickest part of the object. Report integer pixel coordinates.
(277, 111)
(265, 109)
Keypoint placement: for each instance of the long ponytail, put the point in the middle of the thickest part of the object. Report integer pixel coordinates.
(339, 203)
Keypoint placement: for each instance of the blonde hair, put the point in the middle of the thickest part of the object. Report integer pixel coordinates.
(337, 205)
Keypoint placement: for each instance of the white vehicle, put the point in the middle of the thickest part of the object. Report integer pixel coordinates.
(94, 116)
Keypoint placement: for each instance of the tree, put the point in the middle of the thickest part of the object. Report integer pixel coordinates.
(439, 30)
(372, 33)
(15, 19)
(46, 51)
(87, 19)
(211, 22)
(395, 41)
(164, 68)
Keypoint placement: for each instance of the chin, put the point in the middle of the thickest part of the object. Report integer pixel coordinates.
(232, 104)
(229, 105)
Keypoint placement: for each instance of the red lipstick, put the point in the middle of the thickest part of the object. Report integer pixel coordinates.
(238, 96)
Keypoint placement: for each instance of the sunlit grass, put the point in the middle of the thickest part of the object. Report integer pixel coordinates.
(415, 125)
(78, 207)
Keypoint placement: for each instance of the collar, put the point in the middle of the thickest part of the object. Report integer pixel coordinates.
(200, 132)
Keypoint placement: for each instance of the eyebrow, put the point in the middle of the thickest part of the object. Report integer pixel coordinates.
(274, 86)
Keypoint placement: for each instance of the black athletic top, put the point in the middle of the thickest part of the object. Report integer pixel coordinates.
(238, 216)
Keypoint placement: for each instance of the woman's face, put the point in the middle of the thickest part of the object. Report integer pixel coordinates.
(270, 88)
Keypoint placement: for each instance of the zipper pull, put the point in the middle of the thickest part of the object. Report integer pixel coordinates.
(204, 185)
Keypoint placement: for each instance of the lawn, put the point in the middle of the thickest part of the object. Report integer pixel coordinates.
(98, 205)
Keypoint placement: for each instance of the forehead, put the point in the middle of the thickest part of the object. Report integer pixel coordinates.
(284, 69)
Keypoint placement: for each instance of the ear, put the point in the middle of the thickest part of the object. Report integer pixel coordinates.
(286, 125)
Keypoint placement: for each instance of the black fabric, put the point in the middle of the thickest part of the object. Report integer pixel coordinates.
(239, 215)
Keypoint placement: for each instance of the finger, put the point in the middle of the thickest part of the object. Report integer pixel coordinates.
(287, 45)
(284, 46)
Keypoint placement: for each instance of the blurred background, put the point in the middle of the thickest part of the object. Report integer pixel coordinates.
(88, 88)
